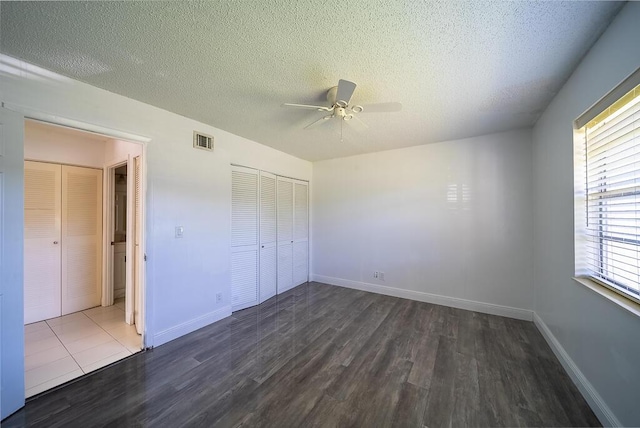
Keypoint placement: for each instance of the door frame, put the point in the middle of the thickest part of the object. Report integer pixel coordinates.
(109, 228)
(108, 217)
(55, 120)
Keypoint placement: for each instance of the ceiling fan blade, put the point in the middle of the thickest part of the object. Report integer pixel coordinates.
(345, 91)
(322, 119)
(321, 108)
(381, 108)
(358, 124)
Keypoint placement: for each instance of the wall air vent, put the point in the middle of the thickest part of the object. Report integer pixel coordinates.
(202, 141)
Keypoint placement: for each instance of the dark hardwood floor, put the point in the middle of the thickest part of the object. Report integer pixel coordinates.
(327, 356)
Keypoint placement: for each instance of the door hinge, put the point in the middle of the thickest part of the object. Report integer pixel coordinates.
(145, 257)
(125, 259)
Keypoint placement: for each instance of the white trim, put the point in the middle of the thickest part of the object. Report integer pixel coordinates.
(595, 401)
(191, 325)
(129, 285)
(455, 302)
(145, 293)
(52, 119)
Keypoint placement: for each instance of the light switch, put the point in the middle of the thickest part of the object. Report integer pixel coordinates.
(179, 231)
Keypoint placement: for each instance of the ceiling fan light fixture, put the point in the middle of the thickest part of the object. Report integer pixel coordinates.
(339, 98)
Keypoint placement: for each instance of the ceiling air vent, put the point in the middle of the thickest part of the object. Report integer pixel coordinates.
(202, 141)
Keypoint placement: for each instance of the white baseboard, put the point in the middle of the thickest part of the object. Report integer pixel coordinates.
(471, 305)
(597, 404)
(191, 325)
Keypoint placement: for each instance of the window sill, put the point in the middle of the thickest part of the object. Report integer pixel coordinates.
(610, 295)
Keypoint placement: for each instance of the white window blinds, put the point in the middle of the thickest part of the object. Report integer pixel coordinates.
(612, 184)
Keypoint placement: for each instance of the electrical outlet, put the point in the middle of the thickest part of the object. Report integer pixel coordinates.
(218, 297)
(179, 231)
(381, 275)
(376, 274)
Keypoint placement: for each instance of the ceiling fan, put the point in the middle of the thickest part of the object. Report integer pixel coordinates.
(339, 97)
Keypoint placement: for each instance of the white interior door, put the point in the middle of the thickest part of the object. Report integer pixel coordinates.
(244, 238)
(300, 232)
(130, 272)
(119, 269)
(137, 251)
(42, 241)
(268, 236)
(285, 233)
(11, 262)
(81, 238)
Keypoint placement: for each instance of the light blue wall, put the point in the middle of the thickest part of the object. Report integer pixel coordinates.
(601, 338)
(11, 256)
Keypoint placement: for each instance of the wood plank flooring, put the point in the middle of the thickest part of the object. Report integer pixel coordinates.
(327, 356)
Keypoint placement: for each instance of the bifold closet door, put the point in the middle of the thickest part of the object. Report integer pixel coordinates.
(300, 232)
(81, 238)
(285, 233)
(42, 241)
(268, 236)
(244, 238)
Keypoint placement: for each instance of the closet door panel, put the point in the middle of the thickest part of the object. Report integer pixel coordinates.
(285, 233)
(244, 207)
(244, 238)
(300, 263)
(268, 236)
(301, 233)
(268, 215)
(268, 272)
(81, 238)
(244, 279)
(285, 267)
(301, 214)
(42, 248)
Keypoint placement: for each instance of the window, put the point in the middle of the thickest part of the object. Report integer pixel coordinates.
(608, 190)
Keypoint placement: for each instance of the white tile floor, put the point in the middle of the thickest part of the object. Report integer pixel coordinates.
(61, 349)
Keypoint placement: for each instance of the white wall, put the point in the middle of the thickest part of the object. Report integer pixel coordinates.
(48, 143)
(11, 263)
(45, 143)
(185, 186)
(602, 339)
(451, 219)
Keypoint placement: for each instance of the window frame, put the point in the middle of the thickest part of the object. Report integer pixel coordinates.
(583, 273)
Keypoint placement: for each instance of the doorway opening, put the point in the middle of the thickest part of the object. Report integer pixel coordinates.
(123, 222)
(83, 274)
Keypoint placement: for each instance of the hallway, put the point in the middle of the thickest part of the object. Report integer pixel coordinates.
(61, 349)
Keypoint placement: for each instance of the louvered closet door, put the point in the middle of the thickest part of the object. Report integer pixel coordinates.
(285, 233)
(42, 241)
(300, 232)
(244, 237)
(81, 238)
(268, 237)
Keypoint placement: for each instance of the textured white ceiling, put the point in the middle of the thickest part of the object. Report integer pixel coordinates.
(459, 68)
